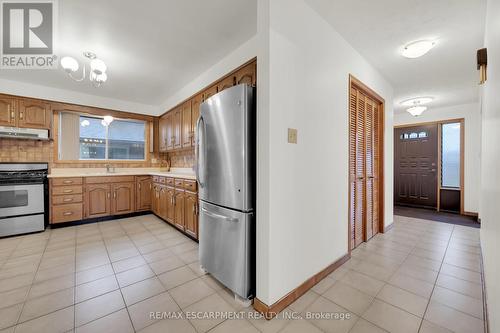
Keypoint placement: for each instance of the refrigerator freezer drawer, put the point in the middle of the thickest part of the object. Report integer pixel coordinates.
(226, 247)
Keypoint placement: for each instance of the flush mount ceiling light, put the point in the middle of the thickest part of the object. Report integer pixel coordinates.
(417, 49)
(416, 110)
(97, 71)
(417, 100)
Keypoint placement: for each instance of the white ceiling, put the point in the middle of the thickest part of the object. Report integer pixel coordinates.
(378, 29)
(152, 47)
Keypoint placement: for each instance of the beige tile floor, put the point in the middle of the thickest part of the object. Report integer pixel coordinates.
(421, 276)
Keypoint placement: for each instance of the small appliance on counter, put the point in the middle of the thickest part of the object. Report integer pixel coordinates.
(23, 198)
(225, 170)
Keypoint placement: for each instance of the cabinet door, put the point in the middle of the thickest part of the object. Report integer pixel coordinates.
(179, 197)
(123, 198)
(228, 82)
(8, 112)
(97, 200)
(195, 114)
(169, 204)
(34, 114)
(170, 131)
(177, 127)
(186, 130)
(247, 74)
(191, 214)
(155, 196)
(209, 92)
(162, 137)
(143, 196)
(162, 201)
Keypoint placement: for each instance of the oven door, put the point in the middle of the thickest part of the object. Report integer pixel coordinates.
(16, 200)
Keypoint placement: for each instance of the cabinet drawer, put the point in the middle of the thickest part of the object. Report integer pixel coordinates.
(179, 183)
(58, 190)
(66, 213)
(190, 185)
(66, 199)
(67, 181)
(169, 181)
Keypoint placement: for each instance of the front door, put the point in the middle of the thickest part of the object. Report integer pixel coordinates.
(415, 165)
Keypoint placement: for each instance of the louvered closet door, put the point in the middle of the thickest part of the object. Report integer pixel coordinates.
(357, 177)
(364, 166)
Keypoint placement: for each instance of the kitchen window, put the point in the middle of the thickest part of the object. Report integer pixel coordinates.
(85, 137)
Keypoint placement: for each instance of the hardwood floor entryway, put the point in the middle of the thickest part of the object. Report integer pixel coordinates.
(415, 165)
(366, 110)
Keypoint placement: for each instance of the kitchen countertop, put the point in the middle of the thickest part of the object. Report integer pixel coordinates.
(185, 173)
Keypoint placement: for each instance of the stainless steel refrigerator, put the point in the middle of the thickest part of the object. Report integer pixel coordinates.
(225, 169)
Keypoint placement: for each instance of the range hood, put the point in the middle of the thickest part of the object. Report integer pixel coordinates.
(24, 133)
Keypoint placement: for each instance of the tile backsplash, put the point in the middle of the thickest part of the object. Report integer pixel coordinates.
(14, 150)
(182, 159)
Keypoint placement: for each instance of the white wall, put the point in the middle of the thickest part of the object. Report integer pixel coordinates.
(69, 96)
(304, 224)
(490, 162)
(472, 148)
(236, 58)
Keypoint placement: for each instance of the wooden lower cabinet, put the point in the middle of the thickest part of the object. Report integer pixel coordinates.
(191, 214)
(176, 203)
(173, 199)
(179, 209)
(123, 201)
(169, 204)
(97, 200)
(143, 194)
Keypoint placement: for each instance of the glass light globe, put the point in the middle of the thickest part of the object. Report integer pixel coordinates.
(108, 119)
(101, 78)
(98, 66)
(416, 110)
(69, 64)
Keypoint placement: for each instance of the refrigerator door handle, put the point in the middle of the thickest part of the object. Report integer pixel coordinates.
(218, 216)
(197, 150)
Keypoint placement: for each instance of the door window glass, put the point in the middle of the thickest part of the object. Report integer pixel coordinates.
(450, 155)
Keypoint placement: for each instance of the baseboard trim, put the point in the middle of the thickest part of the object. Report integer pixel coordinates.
(270, 312)
(485, 301)
(389, 227)
(473, 214)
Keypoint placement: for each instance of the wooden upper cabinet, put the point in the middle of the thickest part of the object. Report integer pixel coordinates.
(209, 92)
(191, 214)
(97, 200)
(187, 128)
(8, 111)
(123, 198)
(195, 114)
(177, 127)
(162, 135)
(169, 131)
(227, 82)
(34, 114)
(247, 74)
(143, 195)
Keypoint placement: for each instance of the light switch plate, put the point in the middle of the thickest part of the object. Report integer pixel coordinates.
(292, 135)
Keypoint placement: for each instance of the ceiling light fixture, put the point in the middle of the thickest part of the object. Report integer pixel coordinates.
(97, 73)
(416, 110)
(417, 49)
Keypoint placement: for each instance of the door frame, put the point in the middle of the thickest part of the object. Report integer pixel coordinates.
(353, 81)
(439, 124)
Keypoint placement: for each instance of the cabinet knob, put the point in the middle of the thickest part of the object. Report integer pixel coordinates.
(67, 213)
(68, 200)
(21, 115)
(68, 191)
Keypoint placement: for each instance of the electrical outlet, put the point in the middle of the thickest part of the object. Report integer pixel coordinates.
(292, 135)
